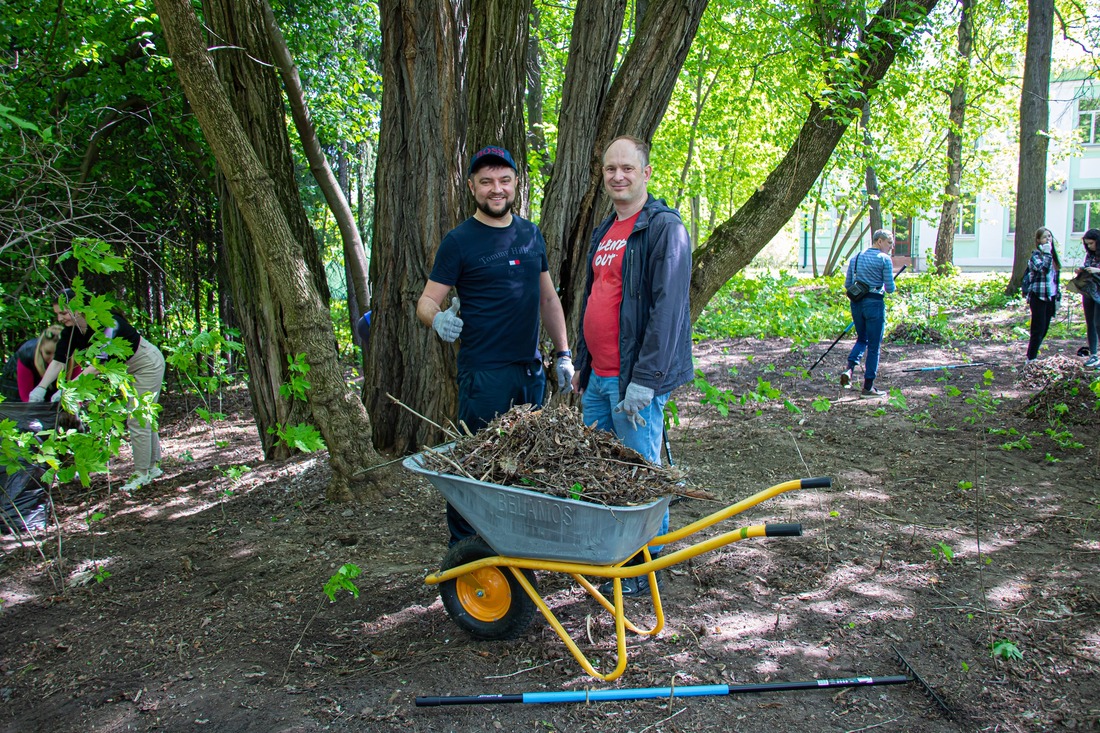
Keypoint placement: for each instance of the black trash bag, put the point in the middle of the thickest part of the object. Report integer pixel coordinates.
(24, 504)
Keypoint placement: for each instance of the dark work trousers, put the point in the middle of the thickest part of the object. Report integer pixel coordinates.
(1042, 312)
(482, 395)
(1092, 321)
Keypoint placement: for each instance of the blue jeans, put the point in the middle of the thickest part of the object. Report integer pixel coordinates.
(598, 406)
(869, 316)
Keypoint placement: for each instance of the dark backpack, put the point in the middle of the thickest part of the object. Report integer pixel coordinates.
(9, 384)
(1025, 284)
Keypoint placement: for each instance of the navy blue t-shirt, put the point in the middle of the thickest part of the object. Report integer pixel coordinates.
(496, 272)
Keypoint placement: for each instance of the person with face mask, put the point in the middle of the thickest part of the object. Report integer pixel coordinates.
(1090, 294)
(1044, 294)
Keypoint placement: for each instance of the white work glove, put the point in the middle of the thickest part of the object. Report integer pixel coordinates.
(56, 396)
(564, 367)
(637, 399)
(1045, 247)
(447, 323)
(38, 394)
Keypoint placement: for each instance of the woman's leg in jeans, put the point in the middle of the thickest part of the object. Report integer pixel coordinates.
(1091, 308)
(1041, 312)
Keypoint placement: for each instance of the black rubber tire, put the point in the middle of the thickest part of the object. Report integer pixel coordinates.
(500, 610)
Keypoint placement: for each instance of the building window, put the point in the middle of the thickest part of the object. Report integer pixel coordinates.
(1012, 219)
(1088, 109)
(966, 223)
(1086, 209)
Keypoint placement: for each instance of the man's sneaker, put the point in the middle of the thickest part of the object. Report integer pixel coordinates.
(846, 379)
(155, 472)
(631, 586)
(137, 481)
(1092, 362)
(871, 392)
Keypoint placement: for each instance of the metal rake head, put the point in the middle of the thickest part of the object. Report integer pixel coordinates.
(924, 685)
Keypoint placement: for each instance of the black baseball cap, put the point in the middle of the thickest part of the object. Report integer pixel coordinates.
(489, 155)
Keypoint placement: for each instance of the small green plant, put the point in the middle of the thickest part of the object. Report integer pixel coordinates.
(342, 580)
(1051, 459)
(965, 666)
(897, 399)
(1006, 650)
(101, 574)
(301, 437)
(821, 404)
(576, 490)
(296, 385)
(943, 550)
(965, 485)
(1064, 439)
(1021, 444)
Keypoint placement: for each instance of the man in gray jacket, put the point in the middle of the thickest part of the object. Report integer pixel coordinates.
(634, 347)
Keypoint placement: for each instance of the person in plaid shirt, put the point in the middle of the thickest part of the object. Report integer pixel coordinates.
(1044, 294)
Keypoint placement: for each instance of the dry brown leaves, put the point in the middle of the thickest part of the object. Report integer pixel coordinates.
(1059, 381)
(553, 452)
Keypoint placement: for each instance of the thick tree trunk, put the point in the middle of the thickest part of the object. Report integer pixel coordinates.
(307, 329)
(949, 214)
(587, 76)
(257, 101)
(634, 105)
(536, 125)
(355, 258)
(1031, 199)
(423, 174)
(870, 180)
(734, 243)
(496, 77)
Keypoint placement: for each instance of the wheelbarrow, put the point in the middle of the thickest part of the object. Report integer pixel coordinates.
(487, 582)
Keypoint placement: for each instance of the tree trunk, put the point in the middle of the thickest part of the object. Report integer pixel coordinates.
(949, 214)
(496, 77)
(635, 104)
(1031, 198)
(536, 125)
(734, 243)
(355, 258)
(576, 164)
(304, 313)
(423, 173)
(870, 180)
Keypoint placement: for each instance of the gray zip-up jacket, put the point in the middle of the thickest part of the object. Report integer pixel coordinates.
(655, 315)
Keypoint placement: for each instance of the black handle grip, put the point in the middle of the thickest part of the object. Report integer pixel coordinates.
(819, 482)
(782, 530)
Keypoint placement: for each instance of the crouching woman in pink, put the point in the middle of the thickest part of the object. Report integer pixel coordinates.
(145, 365)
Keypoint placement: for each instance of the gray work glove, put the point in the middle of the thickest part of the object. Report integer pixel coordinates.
(447, 323)
(56, 396)
(564, 367)
(38, 394)
(637, 399)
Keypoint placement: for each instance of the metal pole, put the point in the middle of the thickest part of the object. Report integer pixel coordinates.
(643, 693)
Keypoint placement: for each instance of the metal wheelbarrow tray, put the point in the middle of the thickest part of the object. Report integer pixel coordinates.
(487, 582)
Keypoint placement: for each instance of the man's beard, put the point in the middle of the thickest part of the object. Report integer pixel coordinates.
(484, 209)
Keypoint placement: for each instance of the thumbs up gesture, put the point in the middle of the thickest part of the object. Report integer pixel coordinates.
(447, 323)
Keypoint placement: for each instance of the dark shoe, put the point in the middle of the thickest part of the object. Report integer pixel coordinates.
(846, 379)
(631, 586)
(871, 393)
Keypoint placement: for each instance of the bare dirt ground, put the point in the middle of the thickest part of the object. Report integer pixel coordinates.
(935, 540)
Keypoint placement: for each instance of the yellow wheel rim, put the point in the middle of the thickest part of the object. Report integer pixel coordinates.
(485, 594)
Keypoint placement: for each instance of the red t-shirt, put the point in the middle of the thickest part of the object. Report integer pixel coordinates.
(601, 315)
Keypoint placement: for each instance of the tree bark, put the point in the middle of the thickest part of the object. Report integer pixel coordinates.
(949, 214)
(355, 257)
(496, 77)
(257, 102)
(536, 125)
(1031, 199)
(734, 243)
(634, 105)
(339, 415)
(422, 191)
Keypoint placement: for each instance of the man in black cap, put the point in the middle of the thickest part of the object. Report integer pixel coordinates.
(496, 261)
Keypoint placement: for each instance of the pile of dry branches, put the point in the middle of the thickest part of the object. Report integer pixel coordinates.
(1063, 391)
(553, 452)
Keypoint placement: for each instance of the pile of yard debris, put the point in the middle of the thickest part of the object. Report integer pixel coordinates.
(553, 452)
(1063, 390)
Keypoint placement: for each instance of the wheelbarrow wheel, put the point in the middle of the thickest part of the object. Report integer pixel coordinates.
(489, 603)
